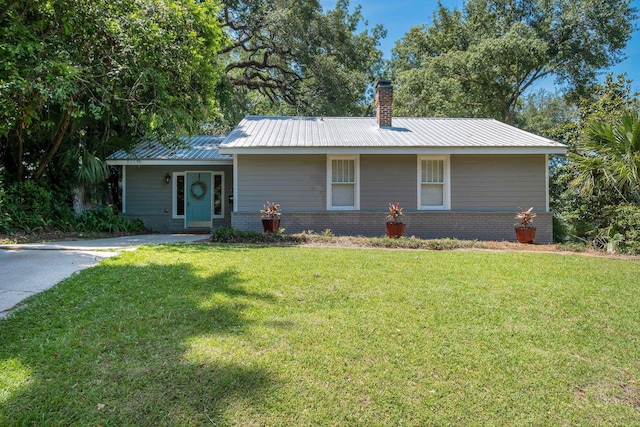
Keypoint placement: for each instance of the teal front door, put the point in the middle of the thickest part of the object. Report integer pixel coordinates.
(198, 192)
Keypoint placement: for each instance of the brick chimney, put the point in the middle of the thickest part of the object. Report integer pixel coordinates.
(384, 102)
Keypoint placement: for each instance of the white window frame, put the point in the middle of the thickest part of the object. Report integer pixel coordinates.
(446, 191)
(222, 195)
(174, 199)
(356, 184)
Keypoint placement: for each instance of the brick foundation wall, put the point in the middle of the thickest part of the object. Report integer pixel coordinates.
(498, 226)
(163, 223)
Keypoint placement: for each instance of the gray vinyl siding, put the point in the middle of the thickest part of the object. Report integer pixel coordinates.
(491, 183)
(149, 198)
(296, 182)
(387, 179)
(146, 191)
(481, 183)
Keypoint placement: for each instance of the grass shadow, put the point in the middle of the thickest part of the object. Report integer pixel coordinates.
(115, 349)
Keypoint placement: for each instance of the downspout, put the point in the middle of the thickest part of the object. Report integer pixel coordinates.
(546, 180)
(124, 188)
(235, 185)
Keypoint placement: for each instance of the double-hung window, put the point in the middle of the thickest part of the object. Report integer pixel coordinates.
(433, 182)
(343, 182)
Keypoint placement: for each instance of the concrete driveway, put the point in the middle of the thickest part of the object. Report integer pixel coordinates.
(27, 269)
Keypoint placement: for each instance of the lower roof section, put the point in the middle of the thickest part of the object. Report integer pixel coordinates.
(196, 150)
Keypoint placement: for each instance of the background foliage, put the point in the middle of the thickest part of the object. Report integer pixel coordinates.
(289, 57)
(33, 207)
(480, 60)
(79, 80)
(599, 177)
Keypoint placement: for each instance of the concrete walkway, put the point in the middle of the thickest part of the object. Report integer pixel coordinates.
(26, 269)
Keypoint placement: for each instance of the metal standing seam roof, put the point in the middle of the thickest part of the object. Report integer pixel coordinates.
(200, 147)
(363, 132)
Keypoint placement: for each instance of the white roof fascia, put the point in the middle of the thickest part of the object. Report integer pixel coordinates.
(174, 162)
(412, 150)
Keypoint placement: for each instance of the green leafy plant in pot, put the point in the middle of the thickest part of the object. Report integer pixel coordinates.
(525, 232)
(270, 214)
(395, 227)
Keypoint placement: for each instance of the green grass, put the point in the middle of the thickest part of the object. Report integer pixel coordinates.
(233, 335)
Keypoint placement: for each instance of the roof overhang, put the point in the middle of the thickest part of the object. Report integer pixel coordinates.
(561, 150)
(172, 162)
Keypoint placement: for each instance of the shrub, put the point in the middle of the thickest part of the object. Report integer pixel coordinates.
(106, 219)
(4, 215)
(560, 230)
(232, 235)
(28, 207)
(623, 231)
(32, 207)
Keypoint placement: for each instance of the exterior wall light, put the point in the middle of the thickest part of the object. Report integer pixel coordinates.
(167, 178)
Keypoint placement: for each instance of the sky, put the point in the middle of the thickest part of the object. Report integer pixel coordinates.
(398, 16)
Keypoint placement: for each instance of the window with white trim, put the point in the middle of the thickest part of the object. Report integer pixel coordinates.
(342, 183)
(433, 182)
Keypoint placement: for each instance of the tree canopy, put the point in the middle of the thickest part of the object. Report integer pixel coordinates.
(593, 191)
(608, 159)
(292, 57)
(79, 80)
(480, 60)
(77, 76)
(604, 151)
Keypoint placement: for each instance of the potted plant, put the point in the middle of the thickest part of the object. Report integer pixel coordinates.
(270, 214)
(395, 228)
(525, 232)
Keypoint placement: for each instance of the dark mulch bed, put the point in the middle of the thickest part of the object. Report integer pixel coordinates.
(305, 239)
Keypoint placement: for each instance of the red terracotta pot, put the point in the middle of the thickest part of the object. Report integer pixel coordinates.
(270, 225)
(525, 235)
(395, 229)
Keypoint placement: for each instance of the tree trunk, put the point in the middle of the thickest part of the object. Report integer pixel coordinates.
(78, 200)
(57, 141)
(20, 165)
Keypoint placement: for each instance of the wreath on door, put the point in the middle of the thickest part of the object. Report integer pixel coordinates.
(198, 190)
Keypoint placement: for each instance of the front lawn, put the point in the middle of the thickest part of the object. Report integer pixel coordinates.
(232, 335)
